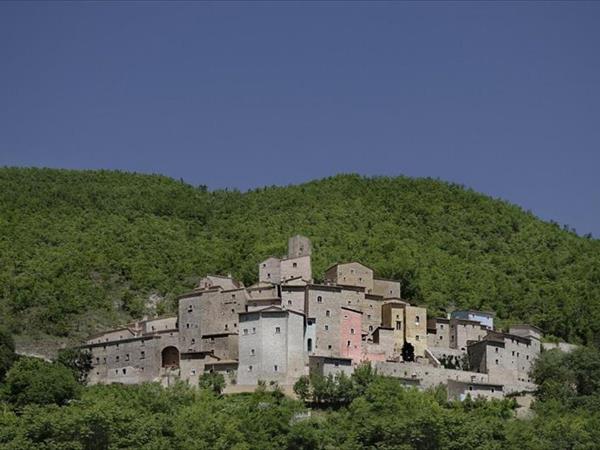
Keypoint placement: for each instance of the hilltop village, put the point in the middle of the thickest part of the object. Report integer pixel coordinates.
(286, 326)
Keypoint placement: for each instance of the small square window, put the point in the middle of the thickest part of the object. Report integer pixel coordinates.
(277, 330)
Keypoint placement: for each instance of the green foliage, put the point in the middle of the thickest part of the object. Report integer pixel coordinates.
(212, 381)
(34, 381)
(83, 250)
(371, 411)
(7, 352)
(78, 361)
(302, 388)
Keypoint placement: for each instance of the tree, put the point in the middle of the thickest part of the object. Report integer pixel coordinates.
(32, 380)
(79, 361)
(212, 381)
(302, 388)
(7, 352)
(408, 352)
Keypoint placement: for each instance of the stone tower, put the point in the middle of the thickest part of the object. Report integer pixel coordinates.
(299, 246)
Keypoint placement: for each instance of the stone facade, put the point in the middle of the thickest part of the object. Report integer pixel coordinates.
(269, 346)
(285, 325)
(350, 334)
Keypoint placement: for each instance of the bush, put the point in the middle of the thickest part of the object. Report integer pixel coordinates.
(34, 381)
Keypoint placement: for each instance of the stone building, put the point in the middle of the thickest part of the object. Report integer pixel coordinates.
(271, 345)
(285, 326)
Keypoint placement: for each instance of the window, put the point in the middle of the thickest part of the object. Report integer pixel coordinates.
(142, 355)
(309, 345)
(398, 325)
(294, 265)
(326, 327)
(252, 352)
(289, 302)
(513, 353)
(268, 275)
(329, 347)
(187, 325)
(245, 330)
(190, 308)
(441, 337)
(127, 357)
(351, 330)
(193, 341)
(226, 326)
(249, 368)
(232, 295)
(397, 316)
(319, 299)
(327, 313)
(117, 358)
(370, 327)
(368, 316)
(212, 339)
(253, 330)
(193, 372)
(441, 326)
(417, 320)
(417, 337)
(348, 344)
(496, 361)
(275, 368)
(277, 330)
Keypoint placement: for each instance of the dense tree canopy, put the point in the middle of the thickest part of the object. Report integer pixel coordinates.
(83, 250)
(34, 381)
(7, 352)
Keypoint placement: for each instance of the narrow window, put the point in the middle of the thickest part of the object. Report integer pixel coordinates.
(398, 325)
(309, 345)
(370, 327)
(348, 344)
(193, 341)
(417, 320)
(253, 330)
(275, 368)
(117, 358)
(245, 330)
(326, 327)
(294, 265)
(249, 368)
(319, 299)
(252, 352)
(190, 308)
(327, 313)
(277, 330)
(127, 357)
(351, 330)
(142, 355)
(289, 302)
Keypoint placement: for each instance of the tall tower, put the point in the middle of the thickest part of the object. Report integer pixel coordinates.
(299, 246)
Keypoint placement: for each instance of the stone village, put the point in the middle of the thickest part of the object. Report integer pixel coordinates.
(286, 326)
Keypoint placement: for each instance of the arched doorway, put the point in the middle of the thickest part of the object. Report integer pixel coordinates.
(170, 357)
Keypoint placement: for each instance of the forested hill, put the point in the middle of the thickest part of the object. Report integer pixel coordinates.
(81, 250)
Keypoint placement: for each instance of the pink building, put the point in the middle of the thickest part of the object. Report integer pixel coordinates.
(350, 334)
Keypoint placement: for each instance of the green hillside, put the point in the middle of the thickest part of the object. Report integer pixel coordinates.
(81, 250)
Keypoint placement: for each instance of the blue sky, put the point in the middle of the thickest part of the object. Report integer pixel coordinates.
(502, 97)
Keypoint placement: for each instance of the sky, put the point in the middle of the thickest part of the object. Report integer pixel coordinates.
(503, 97)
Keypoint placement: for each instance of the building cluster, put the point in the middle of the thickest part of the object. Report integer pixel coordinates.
(286, 326)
